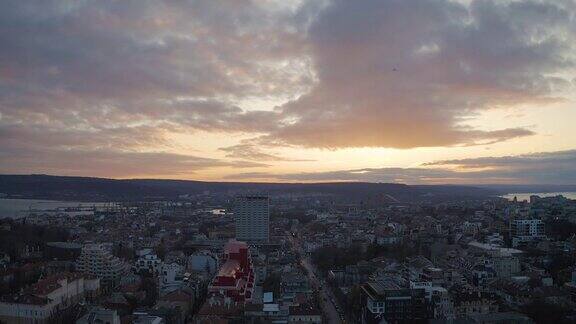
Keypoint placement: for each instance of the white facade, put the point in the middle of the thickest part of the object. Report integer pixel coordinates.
(99, 262)
(252, 214)
(24, 313)
(149, 263)
(46, 298)
(170, 278)
(526, 230)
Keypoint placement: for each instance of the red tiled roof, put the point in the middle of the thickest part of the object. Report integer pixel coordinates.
(49, 284)
(235, 246)
(229, 268)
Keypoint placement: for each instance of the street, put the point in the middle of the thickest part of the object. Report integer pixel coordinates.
(326, 298)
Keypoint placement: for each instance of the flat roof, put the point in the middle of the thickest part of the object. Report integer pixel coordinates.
(65, 245)
(494, 247)
(254, 197)
(268, 297)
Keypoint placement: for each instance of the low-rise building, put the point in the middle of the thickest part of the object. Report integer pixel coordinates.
(305, 314)
(388, 300)
(171, 277)
(100, 316)
(48, 299)
(148, 263)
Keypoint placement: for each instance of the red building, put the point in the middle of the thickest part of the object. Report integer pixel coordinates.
(235, 278)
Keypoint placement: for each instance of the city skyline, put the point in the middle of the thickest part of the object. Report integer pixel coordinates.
(408, 91)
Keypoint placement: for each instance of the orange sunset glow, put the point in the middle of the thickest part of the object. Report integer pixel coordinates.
(407, 91)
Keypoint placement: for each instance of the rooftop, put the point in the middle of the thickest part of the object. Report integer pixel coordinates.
(229, 268)
(234, 246)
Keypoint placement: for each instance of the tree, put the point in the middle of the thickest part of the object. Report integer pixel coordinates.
(542, 312)
(150, 286)
(273, 283)
(353, 303)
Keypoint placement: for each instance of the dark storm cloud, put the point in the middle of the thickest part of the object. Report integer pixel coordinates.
(109, 162)
(400, 175)
(537, 168)
(561, 160)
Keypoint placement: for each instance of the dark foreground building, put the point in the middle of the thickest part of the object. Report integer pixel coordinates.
(387, 300)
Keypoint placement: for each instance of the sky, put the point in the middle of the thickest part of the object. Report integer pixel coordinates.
(408, 91)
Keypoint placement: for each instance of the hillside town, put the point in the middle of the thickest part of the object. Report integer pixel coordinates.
(258, 258)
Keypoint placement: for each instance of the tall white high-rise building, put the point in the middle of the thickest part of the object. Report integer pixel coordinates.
(252, 214)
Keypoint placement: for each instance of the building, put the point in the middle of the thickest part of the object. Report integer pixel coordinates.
(506, 266)
(48, 300)
(252, 214)
(294, 283)
(99, 262)
(469, 303)
(203, 261)
(386, 300)
(148, 263)
(235, 278)
(526, 230)
(171, 278)
(438, 297)
(266, 313)
(219, 309)
(100, 316)
(145, 318)
(498, 318)
(305, 314)
(181, 301)
(67, 251)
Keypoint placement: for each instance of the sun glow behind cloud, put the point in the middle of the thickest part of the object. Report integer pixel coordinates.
(306, 90)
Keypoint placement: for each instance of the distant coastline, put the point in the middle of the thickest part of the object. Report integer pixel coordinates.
(16, 208)
(526, 195)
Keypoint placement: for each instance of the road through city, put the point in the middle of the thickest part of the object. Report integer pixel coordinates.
(327, 301)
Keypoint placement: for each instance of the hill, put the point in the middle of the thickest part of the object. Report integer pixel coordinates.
(102, 189)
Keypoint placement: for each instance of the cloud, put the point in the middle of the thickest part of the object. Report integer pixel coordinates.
(100, 152)
(524, 162)
(88, 64)
(537, 168)
(110, 79)
(110, 163)
(251, 151)
(118, 76)
(400, 175)
(404, 73)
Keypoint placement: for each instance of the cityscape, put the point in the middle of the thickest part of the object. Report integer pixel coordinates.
(246, 257)
(287, 161)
